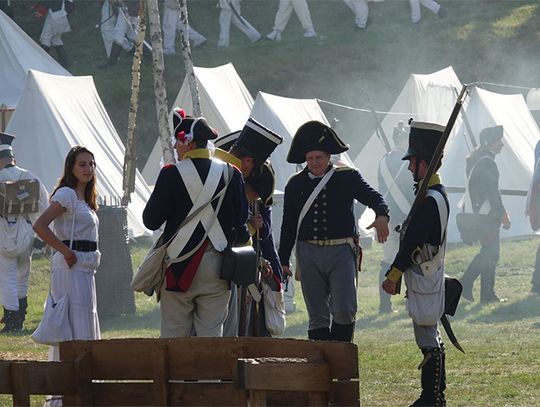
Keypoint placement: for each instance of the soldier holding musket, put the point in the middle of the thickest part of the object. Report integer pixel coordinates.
(420, 260)
(318, 216)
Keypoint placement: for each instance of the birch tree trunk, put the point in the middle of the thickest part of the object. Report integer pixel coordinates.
(188, 60)
(128, 183)
(160, 92)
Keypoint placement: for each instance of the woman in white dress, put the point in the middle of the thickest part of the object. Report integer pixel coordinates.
(73, 207)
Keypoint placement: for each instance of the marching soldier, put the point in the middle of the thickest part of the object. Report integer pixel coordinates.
(172, 23)
(483, 179)
(284, 13)
(318, 216)
(424, 241)
(230, 12)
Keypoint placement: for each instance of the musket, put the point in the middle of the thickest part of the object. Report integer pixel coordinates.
(255, 331)
(467, 125)
(238, 15)
(433, 164)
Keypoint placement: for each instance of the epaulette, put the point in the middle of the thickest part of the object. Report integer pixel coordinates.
(345, 168)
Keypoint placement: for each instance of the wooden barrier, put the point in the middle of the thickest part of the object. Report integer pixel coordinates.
(191, 372)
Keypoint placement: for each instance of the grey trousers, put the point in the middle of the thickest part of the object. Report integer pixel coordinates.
(427, 336)
(328, 278)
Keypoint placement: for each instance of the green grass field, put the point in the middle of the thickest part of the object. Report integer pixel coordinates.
(502, 341)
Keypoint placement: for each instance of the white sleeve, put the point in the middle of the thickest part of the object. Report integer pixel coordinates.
(66, 197)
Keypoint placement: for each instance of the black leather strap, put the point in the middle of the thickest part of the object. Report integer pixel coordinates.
(82, 245)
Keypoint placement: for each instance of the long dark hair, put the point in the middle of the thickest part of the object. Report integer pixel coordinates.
(69, 180)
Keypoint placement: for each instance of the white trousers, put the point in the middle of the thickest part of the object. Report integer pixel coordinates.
(285, 10)
(51, 33)
(203, 308)
(226, 16)
(126, 27)
(107, 28)
(360, 9)
(14, 274)
(172, 23)
(416, 13)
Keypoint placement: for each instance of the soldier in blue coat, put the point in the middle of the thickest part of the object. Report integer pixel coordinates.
(420, 261)
(483, 179)
(318, 217)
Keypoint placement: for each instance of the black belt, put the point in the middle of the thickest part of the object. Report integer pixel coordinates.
(82, 245)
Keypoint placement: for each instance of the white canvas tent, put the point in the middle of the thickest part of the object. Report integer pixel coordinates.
(55, 113)
(18, 54)
(284, 116)
(431, 98)
(225, 103)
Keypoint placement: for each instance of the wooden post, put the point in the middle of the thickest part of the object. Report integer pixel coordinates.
(160, 369)
(160, 91)
(19, 381)
(128, 183)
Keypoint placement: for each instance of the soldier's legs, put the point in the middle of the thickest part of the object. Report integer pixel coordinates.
(341, 263)
(433, 377)
(8, 283)
(212, 295)
(170, 22)
(107, 26)
(303, 14)
(361, 10)
(283, 14)
(244, 26)
(315, 285)
(471, 274)
(225, 17)
(491, 251)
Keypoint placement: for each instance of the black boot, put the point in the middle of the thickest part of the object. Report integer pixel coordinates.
(21, 314)
(343, 333)
(433, 378)
(62, 56)
(10, 321)
(113, 57)
(320, 334)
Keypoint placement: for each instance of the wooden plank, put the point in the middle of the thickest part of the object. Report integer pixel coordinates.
(294, 374)
(160, 369)
(214, 356)
(206, 394)
(83, 379)
(19, 381)
(134, 354)
(50, 377)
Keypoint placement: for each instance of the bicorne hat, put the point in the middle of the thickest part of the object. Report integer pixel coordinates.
(187, 129)
(491, 134)
(263, 181)
(5, 145)
(312, 136)
(256, 141)
(423, 139)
